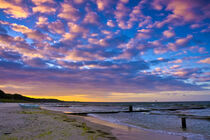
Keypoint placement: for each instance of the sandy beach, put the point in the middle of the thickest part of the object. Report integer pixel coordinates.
(26, 124)
(29, 124)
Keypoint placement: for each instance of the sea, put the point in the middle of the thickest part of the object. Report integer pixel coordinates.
(160, 117)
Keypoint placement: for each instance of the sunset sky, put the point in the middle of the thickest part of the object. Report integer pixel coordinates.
(106, 50)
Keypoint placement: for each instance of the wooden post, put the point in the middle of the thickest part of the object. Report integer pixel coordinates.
(130, 108)
(184, 123)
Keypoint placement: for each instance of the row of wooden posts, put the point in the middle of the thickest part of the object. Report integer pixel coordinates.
(183, 119)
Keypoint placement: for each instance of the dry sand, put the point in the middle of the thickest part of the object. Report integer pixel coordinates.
(37, 124)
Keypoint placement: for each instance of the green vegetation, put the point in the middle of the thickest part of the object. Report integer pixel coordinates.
(17, 98)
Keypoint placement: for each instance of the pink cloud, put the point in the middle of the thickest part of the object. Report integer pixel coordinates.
(75, 28)
(175, 66)
(177, 61)
(145, 22)
(120, 13)
(193, 26)
(68, 12)
(18, 44)
(182, 11)
(207, 61)
(56, 27)
(183, 41)
(102, 4)
(91, 17)
(32, 34)
(39, 2)
(16, 9)
(143, 33)
(110, 23)
(44, 6)
(100, 42)
(44, 9)
(135, 15)
(169, 33)
(78, 1)
(160, 50)
(76, 55)
(179, 43)
(157, 4)
(180, 73)
(41, 21)
(68, 36)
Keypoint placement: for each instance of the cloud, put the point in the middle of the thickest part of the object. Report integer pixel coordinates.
(16, 9)
(42, 21)
(56, 27)
(136, 15)
(182, 11)
(102, 4)
(179, 43)
(176, 61)
(184, 41)
(143, 33)
(76, 29)
(68, 12)
(185, 73)
(100, 42)
(120, 13)
(36, 62)
(40, 2)
(32, 34)
(17, 45)
(168, 33)
(110, 23)
(10, 55)
(207, 61)
(157, 4)
(175, 66)
(44, 6)
(78, 1)
(68, 36)
(44, 9)
(91, 18)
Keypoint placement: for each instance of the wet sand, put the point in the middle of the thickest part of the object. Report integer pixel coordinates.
(130, 133)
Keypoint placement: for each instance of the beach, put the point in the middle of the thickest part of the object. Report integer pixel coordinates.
(29, 124)
(17, 124)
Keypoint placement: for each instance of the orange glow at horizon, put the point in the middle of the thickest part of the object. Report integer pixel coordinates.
(67, 98)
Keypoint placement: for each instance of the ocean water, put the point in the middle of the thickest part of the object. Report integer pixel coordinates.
(161, 117)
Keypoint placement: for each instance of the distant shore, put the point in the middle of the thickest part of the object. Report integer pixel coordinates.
(17, 123)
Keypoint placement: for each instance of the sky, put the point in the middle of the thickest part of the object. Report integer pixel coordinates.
(106, 50)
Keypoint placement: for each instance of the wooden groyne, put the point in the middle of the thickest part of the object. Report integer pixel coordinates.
(184, 126)
(130, 109)
(111, 112)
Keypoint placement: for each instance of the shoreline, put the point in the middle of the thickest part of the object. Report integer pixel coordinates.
(124, 132)
(137, 131)
(80, 127)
